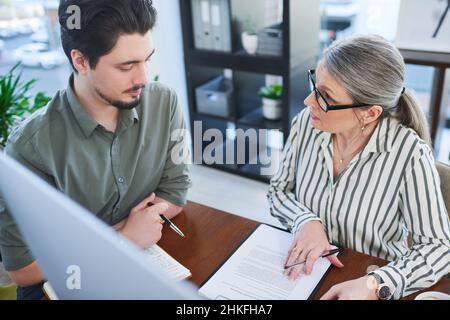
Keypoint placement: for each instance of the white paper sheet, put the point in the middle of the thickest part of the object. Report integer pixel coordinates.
(161, 258)
(255, 271)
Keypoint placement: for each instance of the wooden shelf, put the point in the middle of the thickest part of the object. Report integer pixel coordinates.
(426, 58)
(237, 61)
(255, 119)
(254, 171)
(211, 116)
(247, 171)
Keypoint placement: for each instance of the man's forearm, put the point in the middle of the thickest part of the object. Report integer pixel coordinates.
(27, 276)
(173, 210)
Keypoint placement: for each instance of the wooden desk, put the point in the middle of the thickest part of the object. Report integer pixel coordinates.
(213, 235)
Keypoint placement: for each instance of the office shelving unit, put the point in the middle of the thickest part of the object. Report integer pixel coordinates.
(300, 42)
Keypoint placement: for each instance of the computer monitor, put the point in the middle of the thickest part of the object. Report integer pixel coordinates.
(68, 241)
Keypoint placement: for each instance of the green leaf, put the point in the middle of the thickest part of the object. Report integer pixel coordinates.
(274, 92)
(15, 101)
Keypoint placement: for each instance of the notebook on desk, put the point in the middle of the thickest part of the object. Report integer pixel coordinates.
(165, 261)
(255, 271)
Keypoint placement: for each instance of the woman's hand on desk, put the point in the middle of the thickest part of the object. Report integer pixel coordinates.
(358, 289)
(144, 224)
(309, 244)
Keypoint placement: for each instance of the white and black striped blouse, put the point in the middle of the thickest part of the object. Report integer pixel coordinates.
(389, 190)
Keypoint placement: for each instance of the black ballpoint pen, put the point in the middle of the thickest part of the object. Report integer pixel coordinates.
(329, 253)
(170, 223)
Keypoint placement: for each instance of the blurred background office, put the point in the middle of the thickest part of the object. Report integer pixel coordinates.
(29, 34)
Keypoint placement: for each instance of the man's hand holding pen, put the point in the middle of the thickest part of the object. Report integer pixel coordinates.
(170, 223)
(144, 224)
(309, 244)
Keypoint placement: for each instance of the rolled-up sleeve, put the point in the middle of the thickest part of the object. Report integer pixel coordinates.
(175, 181)
(427, 220)
(282, 201)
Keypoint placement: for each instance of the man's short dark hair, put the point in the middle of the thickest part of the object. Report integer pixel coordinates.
(101, 24)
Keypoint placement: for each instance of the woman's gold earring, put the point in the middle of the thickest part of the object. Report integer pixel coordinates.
(363, 128)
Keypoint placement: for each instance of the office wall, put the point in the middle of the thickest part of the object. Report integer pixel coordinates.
(378, 17)
(168, 61)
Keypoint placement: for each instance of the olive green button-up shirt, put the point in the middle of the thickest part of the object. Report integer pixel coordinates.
(107, 173)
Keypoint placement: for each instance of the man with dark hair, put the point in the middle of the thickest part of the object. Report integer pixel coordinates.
(108, 141)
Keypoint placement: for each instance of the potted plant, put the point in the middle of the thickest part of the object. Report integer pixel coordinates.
(249, 37)
(15, 102)
(271, 99)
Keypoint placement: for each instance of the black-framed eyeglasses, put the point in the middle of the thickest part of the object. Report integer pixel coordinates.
(322, 102)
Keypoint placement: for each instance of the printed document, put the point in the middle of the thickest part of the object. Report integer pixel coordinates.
(255, 271)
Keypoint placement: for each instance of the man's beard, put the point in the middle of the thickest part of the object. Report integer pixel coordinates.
(121, 104)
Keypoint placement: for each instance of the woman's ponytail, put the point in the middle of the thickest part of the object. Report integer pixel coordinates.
(411, 115)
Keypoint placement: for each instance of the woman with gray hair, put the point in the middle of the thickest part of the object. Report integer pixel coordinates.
(358, 171)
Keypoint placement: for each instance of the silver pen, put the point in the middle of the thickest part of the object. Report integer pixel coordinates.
(170, 223)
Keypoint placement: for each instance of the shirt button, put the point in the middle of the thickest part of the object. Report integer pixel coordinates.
(121, 180)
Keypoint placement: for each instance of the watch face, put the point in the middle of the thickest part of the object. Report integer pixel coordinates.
(384, 292)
